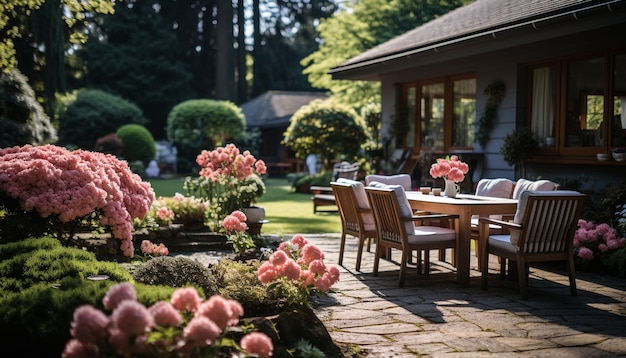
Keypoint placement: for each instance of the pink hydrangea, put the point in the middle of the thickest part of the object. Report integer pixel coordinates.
(132, 318)
(235, 223)
(267, 272)
(89, 325)
(257, 344)
(77, 349)
(310, 253)
(186, 299)
(222, 311)
(165, 314)
(149, 248)
(278, 258)
(585, 254)
(229, 161)
(290, 269)
(299, 240)
(117, 294)
(201, 331)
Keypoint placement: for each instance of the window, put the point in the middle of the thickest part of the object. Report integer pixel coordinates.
(572, 101)
(441, 113)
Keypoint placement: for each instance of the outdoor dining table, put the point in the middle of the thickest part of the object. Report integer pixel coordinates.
(464, 205)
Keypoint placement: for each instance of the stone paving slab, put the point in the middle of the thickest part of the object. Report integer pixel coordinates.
(433, 317)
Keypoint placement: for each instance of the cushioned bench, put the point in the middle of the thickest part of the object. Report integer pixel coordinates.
(323, 196)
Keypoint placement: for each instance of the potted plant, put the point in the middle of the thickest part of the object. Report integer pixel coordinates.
(519, 146)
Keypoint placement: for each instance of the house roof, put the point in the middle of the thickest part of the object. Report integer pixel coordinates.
(275, 108)
(478, 19)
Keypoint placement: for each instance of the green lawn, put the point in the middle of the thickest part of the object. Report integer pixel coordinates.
(288, 212)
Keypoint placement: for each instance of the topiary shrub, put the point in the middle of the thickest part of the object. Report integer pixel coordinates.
(199, 124)
(176, 272)
(94, 114)
(328, 129)
(22, 118)
(138, 143)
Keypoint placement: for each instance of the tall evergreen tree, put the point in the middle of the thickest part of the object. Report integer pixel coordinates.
(138, 58)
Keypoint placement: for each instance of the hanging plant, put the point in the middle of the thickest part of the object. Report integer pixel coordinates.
(494, 93)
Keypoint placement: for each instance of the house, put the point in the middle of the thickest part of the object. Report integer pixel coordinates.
(271, 113)
(560, 65)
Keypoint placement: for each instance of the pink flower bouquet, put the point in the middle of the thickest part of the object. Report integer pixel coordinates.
(450, 169)
(185, 326)
(68, 186)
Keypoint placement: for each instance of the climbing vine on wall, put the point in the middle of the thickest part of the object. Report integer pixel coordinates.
(494, 93)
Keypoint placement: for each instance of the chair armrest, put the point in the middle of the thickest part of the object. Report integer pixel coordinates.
(504, 224)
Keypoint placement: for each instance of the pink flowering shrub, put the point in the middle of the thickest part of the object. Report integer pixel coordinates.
(300, 263)
(235, 227)
(595, 242)
(449, 168)
(151, 249)
(229, 180)
(64, 187)
(179, 209)
(186, 326)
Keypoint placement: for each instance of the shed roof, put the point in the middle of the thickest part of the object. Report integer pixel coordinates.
(477, 19)
(275, 108)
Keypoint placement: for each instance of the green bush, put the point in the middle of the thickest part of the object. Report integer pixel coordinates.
(94, 114)
(327, 129)
(22, 119)
(199, 124)
(138, 143)
(176, 272)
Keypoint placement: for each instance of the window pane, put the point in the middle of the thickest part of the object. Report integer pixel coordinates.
(464, 113)
(618, 130)
(432, 105)
(543, 104)
(585, 94)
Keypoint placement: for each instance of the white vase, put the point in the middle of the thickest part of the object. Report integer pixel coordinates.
(451, 189)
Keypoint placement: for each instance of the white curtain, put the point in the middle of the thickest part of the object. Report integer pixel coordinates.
(542, 121)
(622, 101)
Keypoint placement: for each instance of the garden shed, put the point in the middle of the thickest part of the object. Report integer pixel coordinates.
(271, 113)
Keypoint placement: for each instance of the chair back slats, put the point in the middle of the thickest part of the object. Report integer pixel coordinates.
(348, 209)
(549, 224)
(386, 213)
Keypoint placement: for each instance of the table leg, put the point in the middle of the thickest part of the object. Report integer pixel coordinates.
(463, 251)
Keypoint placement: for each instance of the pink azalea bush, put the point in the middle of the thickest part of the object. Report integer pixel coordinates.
(229, 179)
(593, 241)
(185, 326)
(299, 263)
(70, 185)
(151, 249)
(235, 227)
(449, 168)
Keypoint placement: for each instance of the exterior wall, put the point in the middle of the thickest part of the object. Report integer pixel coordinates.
(507, 64)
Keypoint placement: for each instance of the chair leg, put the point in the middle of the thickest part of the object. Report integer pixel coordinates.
(572, 276)
(426, 262)
(379, 251)
(522, 277)
(342, 245)
(359, 253)
(403, 262)
(369, 244)
(502, 261)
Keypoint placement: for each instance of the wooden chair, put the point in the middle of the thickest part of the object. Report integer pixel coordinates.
(395, 225)
(356, 216)
(499, 188)
(542, 230)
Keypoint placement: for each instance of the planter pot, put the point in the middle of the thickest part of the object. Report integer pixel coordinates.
(256, 219)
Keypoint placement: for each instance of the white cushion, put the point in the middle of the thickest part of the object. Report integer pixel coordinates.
(431, 234)
(403, 201)
(503, 242)
(361, 201)
(499, 187)
(399, 179)
(539, 185)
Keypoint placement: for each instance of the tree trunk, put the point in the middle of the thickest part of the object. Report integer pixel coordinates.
(242, 85)
(224, 76)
